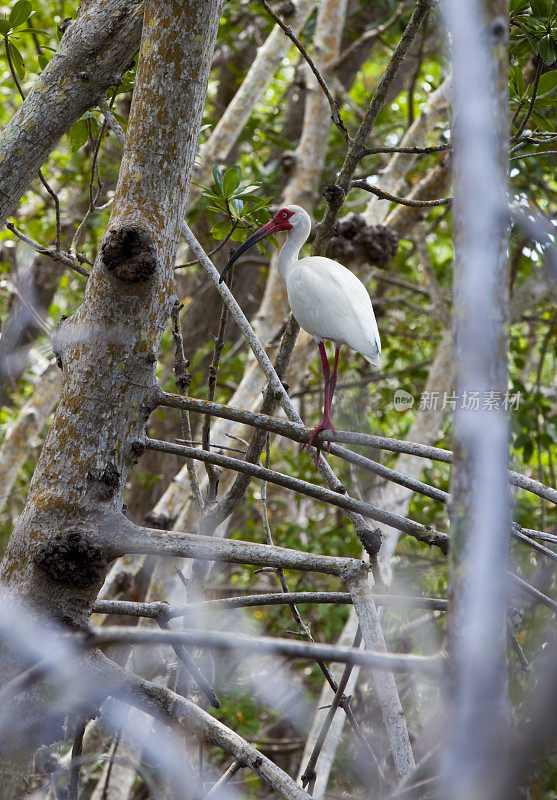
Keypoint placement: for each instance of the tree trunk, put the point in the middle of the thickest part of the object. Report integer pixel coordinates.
(93, 54)
(480, 491)
(59, 551)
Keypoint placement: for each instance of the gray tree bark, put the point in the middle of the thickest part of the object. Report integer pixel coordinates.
(94, 52)
(481, 500)
(58, 554)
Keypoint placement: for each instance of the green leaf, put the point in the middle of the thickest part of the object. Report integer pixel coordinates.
(4, 27)
(547, 82)
(239, 235)
(533, 42)
(543, 122)
(238, 205)
(17, 61)
(256, 203)
(230, 180)
(43, 61)
(546, 102)
(218, 209)
(240, 192)
(547, 49)
(78, 135)
(517, 80)
(218, 177)
(20, 13)
(220, 229)
(521, 48)
(262, 216)
(35, 30)
(540, 8)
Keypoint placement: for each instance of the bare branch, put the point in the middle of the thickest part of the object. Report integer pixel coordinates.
(391, 708)
(335, 111)
(430, 666)
(53, 253)
(134, 539)
(369, 187)
(421, 532)
(299, 433)
(175, 710)
(163, 610)
(420, 151)
(356, 149)
(369, 37)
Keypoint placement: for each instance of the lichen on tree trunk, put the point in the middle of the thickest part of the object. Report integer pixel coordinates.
(60, 549)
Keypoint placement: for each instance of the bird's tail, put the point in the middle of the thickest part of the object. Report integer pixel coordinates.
(375, 360)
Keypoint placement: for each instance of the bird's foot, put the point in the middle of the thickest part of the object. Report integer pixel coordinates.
(324, 425)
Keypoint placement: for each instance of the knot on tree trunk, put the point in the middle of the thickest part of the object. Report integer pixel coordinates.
(371, 540)
(333, 194)
(129, 254)
(71, 558)
(355, 240)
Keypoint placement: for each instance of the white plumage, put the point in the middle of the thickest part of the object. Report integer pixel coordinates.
(327, 300)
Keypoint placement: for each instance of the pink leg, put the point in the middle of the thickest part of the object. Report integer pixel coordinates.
(333, 381)
(330, 383)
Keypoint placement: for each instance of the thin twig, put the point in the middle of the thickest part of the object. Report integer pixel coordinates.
(304, 630)
(423, 533)
(369, 187)
(536, 153)
(183, 380)
(162, 610)
(369, 37)
(522, 660)
(309, 775)
(92, 198)
(420, 151)
(531, 591)
(431, 666)
(335, 112)
(212, 473)
(224, 779)
(530, 108)
(213, 251)
(191, 666)
(77, 749)
(42, 178)
(51, 252)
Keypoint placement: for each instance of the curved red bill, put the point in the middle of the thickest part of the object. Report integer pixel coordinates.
(273, 226)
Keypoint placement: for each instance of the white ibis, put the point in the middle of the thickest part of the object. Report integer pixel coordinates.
(327, 300)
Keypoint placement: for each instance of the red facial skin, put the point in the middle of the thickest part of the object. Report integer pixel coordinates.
(280, 222)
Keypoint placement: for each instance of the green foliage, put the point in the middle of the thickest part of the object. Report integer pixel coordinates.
(237, 202)
(536, 29)
(85, 128)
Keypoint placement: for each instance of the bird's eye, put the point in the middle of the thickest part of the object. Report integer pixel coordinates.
(284, 215)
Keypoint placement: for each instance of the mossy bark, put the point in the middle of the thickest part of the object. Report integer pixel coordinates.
(59, 551)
